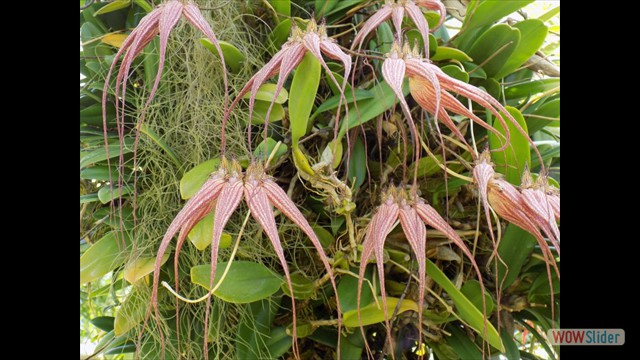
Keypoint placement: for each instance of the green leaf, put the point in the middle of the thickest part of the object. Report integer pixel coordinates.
(303, 288)
(104, 323)
(233, 58)
(324, 6)
(510, 161)
(472, 290)
(264, 149)
(461, 344)
(384, 39)
(494, 47)
(550, 109)
(540, 285)
(144, 5)
(448, 53)
(193, 179)
(105, 194)
(530, 88)
(343, 4)
(142, 267)
(474, 70)
(455, 72)
(100, 154)
(383, 100)
(255, 324)
(245, 282)
(357, 165)
(510, 345)
(427, 166)
(325, 237)
(132, 311)
(150, 62)
(282, 7)
(266, 92)
(113, 6)
(303, 94)
(485, 12)
(88, 198)
(260, 109)
(549, 14)
(532, 35)
(348, 291)
(465, 308)
(103, 256)
(279, 342)
(279, 35)
(371, 314)
(303, 329)
(101, 172)
(332, 102)
(514, 249)
(92, 115)
(121, 349)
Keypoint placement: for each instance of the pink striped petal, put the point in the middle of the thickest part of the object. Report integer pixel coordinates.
(434, 5)
(289, 62)
(397, 13)
(376, 19)
(256, 197)
(418, 18)
(483, 174)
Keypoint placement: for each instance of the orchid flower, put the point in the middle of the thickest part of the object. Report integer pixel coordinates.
(395, 9)
(224, 190)
(413, 213)
(315, 40)
(530, 209)
(430, 87)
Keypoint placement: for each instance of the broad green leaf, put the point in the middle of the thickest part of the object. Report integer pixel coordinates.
(465, 308)
(343, 4)
(266, 93)
(325, 237)
(532, 35)
(105, 194)
(474, 70)
(202, 234)
(92, 114)
(304, 87)
(549, 14)
(384, 39)
(193, 179)
(324, 6)
(540, 285)
(383, 99)
(332, 102)
(264, 149)
(132, 311)
(141, 267)
(357, 165)
(472, 290)
(348, 291)
(549, 110)
(103, 256)
(514, 249)
(113, 6)
(100, 154)
(427, 166)
(494, 47)
(260, 109)
(253, 330)
(455, 72)
(279, 35)
(233, 57)
(530, 88)
(462, 345)
(485, 12)
(303, 329)
(510, 345)
(371, 314)
(279, 342)
(144, 5)
(89, 198)
(282, 7)
(335, 88)
(448, 53)
(351, 346)
(104, 323)
(547, 151)
(510, 161)
(245, 282)
(114, 40)
(303, 288)
(101, 172)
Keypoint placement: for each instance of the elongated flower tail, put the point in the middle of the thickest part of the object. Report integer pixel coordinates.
(554, 200)
(436, 5)
(483, 174)
(535, 200)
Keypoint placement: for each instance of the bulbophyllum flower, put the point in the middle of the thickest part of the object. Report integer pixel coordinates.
(531, 212)
(431, 87)
(395, 9)
(160, 21)
(315, 40)
(414, 214)
(223, 191)
(535, 198)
